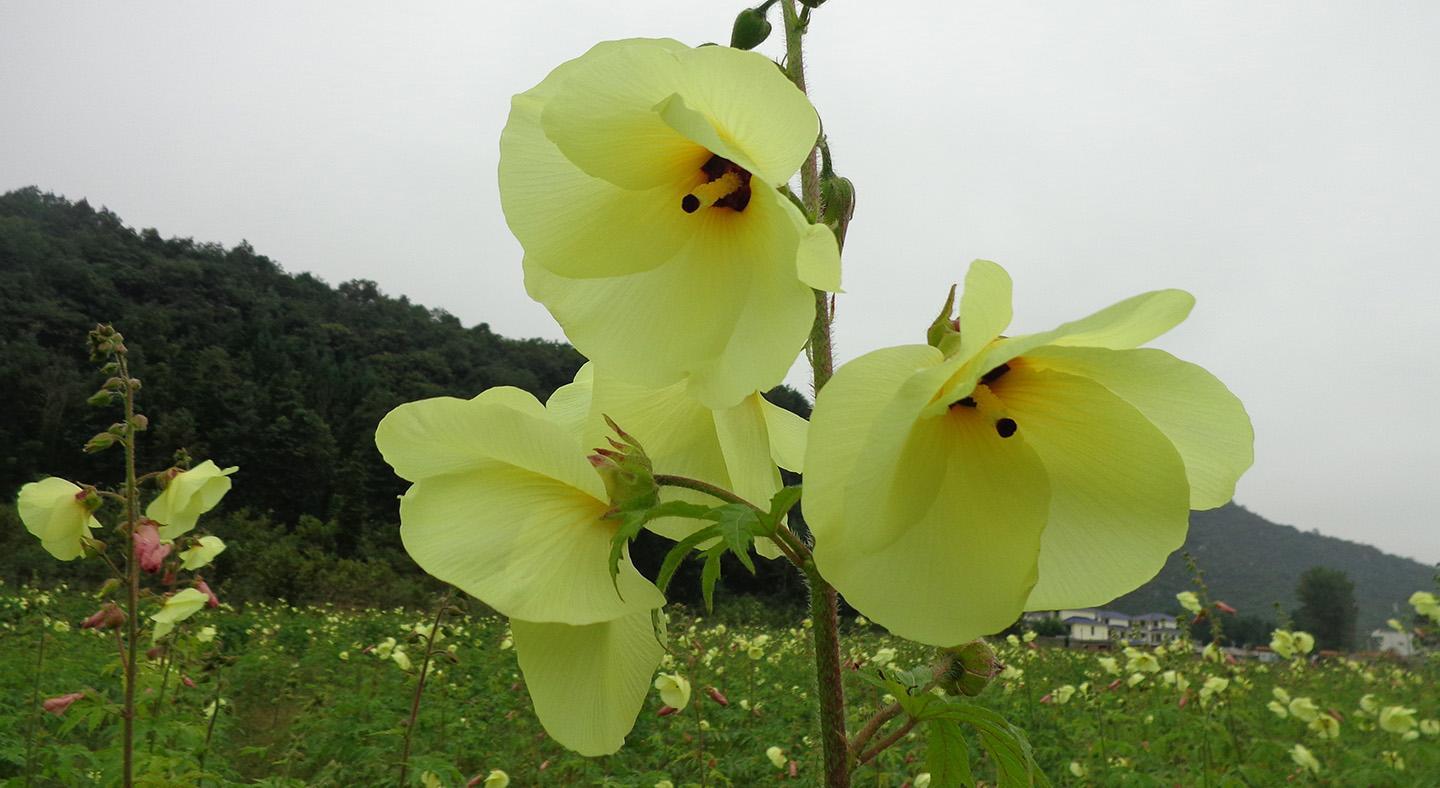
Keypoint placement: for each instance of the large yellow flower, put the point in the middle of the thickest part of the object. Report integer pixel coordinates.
(187, 496)
(951, 488)
(53, 511)
(641, 179)
(736, 448)
(504, 506)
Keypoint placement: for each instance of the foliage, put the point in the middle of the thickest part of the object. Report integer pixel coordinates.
(297, 713)
(1327, 607)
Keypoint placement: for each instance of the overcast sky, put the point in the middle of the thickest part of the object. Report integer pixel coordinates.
(1279, 160)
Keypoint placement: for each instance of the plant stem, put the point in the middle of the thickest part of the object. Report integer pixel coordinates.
(420, 684)
(785, 539)
(210, 729)
(873, 726)
(824, 605)
(35, 706)
(132, 570)
(885, 743)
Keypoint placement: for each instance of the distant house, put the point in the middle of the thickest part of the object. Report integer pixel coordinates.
(1398, 643)
(1089, 626)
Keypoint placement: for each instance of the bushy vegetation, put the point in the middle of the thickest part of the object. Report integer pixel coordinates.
(316, 696)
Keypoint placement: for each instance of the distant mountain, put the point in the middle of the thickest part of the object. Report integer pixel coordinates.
(1252, 563)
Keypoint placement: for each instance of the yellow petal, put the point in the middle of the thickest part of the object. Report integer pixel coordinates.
(181, 606)
(603, 118)
(572, 223)
(588, 683)
(965, 566)
(446, 435)
(1205, 422)
(787, 433)
(726, 313)
(523, 543)
(753, 107)
(202, 554)
(818, 260)
(985, 307)
(1119, 499)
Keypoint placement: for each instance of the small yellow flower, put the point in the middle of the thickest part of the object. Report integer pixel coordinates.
(1430, 727)
(1426, 604)
(1110, 665)
(206, 634)
(776, 756)
(1064, 694)
(1189, 601)
(1369, 703)
(1304, 642)
(922, 780)
(496, 779)
(1304, 709)
(1077, 769)
(1325, 726)
(1304, 758)
(401, 659)
(674, 690)
(1213, 686)
(54, 511)
(203, 553)
(1393, 760)
(1282, 643)
(883, 657)
(187, 496)
(180, 606)
(1280, 694)
(1278, 708)
(1397, 719)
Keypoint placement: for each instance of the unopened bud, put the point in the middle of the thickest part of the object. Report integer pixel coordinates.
(717, 696)
(837, 195)
(57, 706)
(139, 422)
(100, 398)
(100, 442)
(109, 616)
(943, 331)
(750, 30)
(666, 711)
(627, 473)
(968, 669)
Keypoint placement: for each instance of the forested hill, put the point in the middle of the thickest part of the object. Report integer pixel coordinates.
(1253, 563)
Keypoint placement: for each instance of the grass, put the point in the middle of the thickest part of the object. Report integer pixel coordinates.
(307, 700)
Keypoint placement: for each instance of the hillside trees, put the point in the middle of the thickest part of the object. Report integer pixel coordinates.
(1327, 607)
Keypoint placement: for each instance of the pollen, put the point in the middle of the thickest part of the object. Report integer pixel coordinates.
(728, 186)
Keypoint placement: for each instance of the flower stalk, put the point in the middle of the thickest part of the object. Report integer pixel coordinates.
(824, 604)
(132, 571)
(420, 682)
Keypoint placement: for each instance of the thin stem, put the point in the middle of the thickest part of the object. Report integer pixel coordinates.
(35, 706)
(210, 729)
(784, 538)
(873, 726)
(132, 506)
(420, 684)
(885, 743)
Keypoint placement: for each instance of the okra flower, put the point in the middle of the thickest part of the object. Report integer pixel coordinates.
(187, 496)
(177, 608)
(504, 506)
(642, 180)
(1189, 601)
(1397, 719)
(674, 690)
(1305, 759)
(950, 487)
(203, 553)
(54, 510)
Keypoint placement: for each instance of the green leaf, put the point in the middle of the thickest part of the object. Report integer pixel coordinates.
(680, 551)
(1007, 745)
(947, 755)
(633, 521)
(780, 505)
(709, 575)
(739, 525)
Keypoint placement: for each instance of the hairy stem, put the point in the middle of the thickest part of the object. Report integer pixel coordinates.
(824, 605)
(420, 683)
(873, 726)
(132, 571)
(785, 539)
(34, 707)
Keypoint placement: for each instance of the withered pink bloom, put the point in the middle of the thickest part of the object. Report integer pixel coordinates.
(204, 588)
(149, 550)
(57, 706)
(109, 616)
(187, 681)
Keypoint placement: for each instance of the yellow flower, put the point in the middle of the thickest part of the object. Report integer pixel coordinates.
(1304, 709)
(504, 506)
(1110, 665)
(951, 488)
(1304, 758)
(1393, 760)
(1278, 708)
(1325, 726)
(1397, 719)
(1426, 604)
(54, 511)
(203, 553)
(1280, 694)
(177, 608)
(1064, 694)
(642, 179)
(1282, 643)
(1430, 727)
(922, 780)
(1138, 660)
(1304, 642)
(1213, 686)
(674, 690)
(1369, 703)
(1077, 769)
(1135, 679)
(206, 634)
(496, 779)
(1189, 601)
(776, 756)
(883, 657)
(401, 659)
(188, 495)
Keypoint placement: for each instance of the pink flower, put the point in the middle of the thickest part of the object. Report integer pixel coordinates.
(109, 616)
(149, 550)
(204, 588)
(187, 681)
(57, 706)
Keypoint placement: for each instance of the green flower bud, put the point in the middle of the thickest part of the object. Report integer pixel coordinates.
(944, 325)
(968, 669)
(140, 422)
(100, 398)
(627, 473)
(751, 29)
(101, 442)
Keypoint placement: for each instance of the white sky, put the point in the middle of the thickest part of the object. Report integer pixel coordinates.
(1279, 160)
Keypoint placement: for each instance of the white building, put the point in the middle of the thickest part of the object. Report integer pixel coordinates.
(1398, 643)
(1094, 626)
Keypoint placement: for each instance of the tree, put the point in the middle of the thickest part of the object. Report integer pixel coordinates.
(1327, 607)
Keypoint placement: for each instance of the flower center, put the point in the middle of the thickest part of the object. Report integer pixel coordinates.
(1004, 426)
(727, 185)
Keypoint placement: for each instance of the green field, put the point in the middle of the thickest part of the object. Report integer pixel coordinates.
(306, 700)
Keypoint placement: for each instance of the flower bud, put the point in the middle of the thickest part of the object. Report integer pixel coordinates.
(100, 442)
(837, 194)
(100, 399)
(717, 696)
(968, 669)
(944, 326)
(750, 30)
(149, 550)
(57, 706)
(109, 616)
(627, 473)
